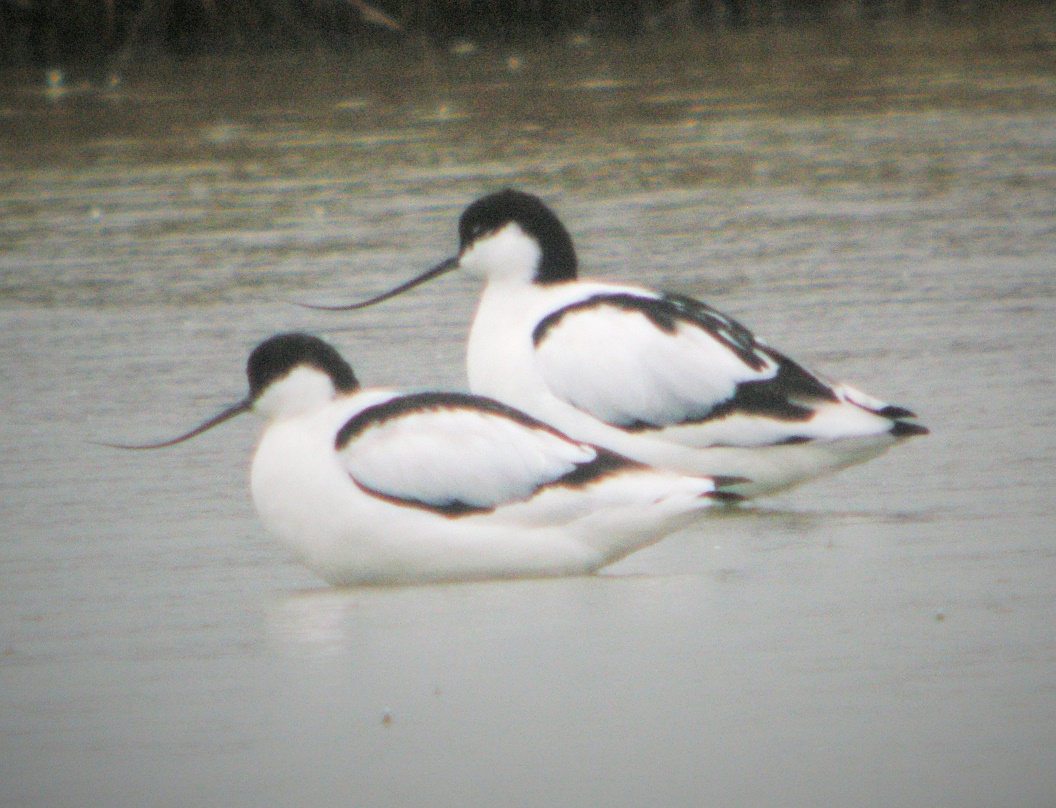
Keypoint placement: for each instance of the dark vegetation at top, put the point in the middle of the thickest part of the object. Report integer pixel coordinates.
(51, 33)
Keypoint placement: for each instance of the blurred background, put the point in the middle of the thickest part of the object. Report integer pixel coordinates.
(106, 33)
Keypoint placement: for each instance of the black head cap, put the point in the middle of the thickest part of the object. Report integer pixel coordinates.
(278, 355)
(491, 213)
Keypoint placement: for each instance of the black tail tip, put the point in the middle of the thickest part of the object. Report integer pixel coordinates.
(896, 413)
(726, 497)
(905, 429)
(727, 480)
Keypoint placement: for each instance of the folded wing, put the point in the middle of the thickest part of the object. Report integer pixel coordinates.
(650, 362)
(457, 453)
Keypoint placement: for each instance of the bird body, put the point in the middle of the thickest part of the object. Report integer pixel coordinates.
(607, 374)
(377, 486)
(447, 491)
(660, 378)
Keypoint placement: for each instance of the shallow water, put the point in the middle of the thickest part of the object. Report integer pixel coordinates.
(883, 637)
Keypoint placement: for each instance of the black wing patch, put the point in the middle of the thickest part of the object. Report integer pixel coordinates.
(788, 396)
(604, 464)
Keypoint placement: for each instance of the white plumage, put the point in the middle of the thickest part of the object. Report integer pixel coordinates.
(447, 449)
(374, 486)
(617, 365)
(661, 378)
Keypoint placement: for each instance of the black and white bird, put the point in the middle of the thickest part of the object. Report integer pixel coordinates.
(375, 486)
(661, 378)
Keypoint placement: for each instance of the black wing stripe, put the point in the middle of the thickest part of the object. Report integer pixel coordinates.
(666, 312)
(453, 508)
(424, 402)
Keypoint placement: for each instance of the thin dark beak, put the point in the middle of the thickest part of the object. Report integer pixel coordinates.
(237, 409)
(439, 269)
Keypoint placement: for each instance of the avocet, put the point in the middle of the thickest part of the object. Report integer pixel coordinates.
(375, 486)
(661, 378)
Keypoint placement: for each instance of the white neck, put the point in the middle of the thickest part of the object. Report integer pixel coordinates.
(302, 389)
(507, 256)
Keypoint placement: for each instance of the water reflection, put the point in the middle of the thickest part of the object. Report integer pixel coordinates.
(312, 623)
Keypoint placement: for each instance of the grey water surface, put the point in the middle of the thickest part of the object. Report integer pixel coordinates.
(884, 637)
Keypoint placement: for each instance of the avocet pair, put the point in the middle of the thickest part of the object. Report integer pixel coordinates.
(603, 417)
